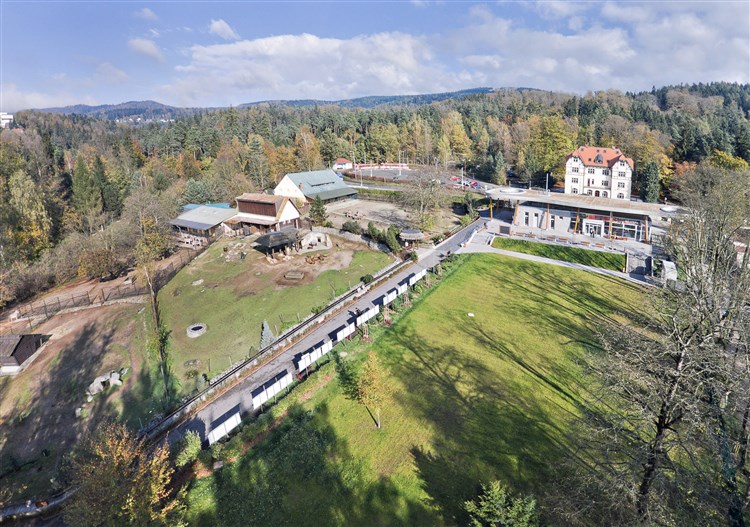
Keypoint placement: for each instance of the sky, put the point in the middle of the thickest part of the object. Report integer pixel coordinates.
(56, 53)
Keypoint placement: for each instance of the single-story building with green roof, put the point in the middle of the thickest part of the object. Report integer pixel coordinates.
(306, 186)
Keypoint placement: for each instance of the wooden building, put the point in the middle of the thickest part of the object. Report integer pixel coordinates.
(262, 213)
(17, 350)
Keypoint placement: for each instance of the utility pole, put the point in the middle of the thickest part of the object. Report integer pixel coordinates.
(546, 184)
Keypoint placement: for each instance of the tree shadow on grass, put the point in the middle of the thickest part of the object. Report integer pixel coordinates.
(516, 428)
(37, 435)
(303, 474)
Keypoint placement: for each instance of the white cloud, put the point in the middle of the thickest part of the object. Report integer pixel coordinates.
(12, 99)
(308, 66)
(108, 73)
(222, 29)
(146, 47)
(625, 46)
(146, 14)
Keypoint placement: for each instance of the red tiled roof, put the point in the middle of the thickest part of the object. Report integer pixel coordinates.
(342, 160)
(597, 156)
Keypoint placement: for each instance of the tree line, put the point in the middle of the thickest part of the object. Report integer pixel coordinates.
(78, 193)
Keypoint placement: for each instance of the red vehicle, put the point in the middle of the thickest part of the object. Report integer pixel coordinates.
(455, 178)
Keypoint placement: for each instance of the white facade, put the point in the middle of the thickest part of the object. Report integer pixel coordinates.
(287, 187)
(599, 172)
(5, 119)
(342, 164)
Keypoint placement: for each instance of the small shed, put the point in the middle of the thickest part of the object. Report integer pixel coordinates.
(279, 240)
(17, 350)
(411, 236)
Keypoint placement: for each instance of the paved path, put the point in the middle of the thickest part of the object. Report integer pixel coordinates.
(482, 243)
(238, 398)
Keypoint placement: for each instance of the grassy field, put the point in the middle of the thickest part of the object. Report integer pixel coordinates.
(235, 298)
(601, 259)
(474, 399)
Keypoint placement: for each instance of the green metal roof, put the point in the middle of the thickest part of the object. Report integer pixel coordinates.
(321, 183)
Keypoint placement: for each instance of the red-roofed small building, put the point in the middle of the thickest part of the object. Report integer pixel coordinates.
(599, 172)
(342, 164)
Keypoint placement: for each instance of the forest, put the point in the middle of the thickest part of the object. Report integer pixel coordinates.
(88, 197)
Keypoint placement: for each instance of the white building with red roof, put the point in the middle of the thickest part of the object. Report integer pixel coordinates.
(599, 172)
(342, 163)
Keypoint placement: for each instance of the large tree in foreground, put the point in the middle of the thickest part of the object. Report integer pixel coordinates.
(118, 481)
(674, 441)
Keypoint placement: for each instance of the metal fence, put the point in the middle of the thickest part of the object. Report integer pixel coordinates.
(50, 306)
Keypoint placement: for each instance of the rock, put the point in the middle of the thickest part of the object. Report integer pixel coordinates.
(198, 282)
(79, 411)
(470, 314)
(89, 398)
(218, 465)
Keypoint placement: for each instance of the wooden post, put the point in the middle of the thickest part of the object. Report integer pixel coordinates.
(575, 227)
(515, 213)
(546, 228)
(490, 208)
(610, 225)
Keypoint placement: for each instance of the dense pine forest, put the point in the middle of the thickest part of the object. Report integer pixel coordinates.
(85, 197)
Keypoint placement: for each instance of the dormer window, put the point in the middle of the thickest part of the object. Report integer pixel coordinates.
(598, 158)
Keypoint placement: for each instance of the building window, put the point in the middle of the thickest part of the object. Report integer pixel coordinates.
(590, 171)
(620, 184)
(605, 183)
(574, 180)
(552, 221)
(575, 191)
(575, 170)
(526, 218)
(605, 171)
(621, 196)
(604, 194)
(536, 219)
(588, 192)
(621, 174)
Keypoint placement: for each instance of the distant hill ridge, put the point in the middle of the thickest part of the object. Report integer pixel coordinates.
(152, 110)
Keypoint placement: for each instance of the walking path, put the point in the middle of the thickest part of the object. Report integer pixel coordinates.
(482, 243)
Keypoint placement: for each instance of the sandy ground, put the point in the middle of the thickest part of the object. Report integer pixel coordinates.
(37, 406)
(382, 214)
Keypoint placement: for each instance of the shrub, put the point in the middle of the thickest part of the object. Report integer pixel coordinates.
(465, 220)
(352, 226)
(367, 279)
(413, 256)
(438, 238)
(188, 449)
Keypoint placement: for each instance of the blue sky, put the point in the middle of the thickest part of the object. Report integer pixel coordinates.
(222, 53)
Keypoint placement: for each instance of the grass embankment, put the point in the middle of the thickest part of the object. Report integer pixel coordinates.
(474, 399)
(601, 259)
(234, 299)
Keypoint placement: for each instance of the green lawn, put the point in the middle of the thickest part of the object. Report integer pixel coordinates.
(234, 300)
(601, 259)
(474, 399)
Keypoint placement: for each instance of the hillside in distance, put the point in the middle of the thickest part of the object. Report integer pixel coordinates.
(131, 110)
(139, 111)
(373, 101)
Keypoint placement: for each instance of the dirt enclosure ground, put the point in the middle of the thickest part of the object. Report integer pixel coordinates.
(37, 407)
(382, 214)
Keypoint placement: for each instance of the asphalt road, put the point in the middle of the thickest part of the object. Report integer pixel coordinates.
(238, 398)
